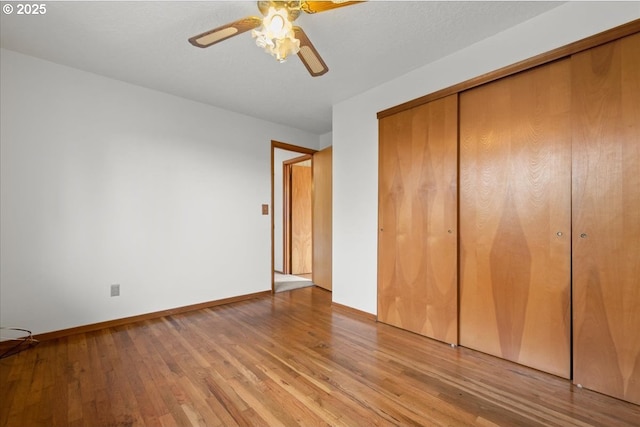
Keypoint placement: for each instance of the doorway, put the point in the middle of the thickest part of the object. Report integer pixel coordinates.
(292, 235)
(320, 212)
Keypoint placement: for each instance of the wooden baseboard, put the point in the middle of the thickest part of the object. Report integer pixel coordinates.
(355, 311)
(127, 320)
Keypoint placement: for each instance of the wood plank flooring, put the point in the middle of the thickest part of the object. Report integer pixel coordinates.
(287, 360)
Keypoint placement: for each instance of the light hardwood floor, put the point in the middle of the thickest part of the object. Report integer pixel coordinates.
(291, 359)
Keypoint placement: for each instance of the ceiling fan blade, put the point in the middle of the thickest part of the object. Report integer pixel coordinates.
(322, 6)
(226, 31)
(309, 55)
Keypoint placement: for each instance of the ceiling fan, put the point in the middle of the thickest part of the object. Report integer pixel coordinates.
(277, 34)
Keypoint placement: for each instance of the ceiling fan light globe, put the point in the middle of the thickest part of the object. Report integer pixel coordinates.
(286, 46)
(262, 41)
(276, 24)
(289, 44)
(276, 35)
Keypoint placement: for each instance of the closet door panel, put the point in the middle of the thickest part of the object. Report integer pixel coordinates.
(606, 218)
(515, 218)
(417, 253)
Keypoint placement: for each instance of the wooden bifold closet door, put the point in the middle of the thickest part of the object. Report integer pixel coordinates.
(417, 247)
(606, 218)
(515, 218)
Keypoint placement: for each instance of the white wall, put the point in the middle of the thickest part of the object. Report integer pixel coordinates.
(355, 129)
(326, 140)
(104, 182)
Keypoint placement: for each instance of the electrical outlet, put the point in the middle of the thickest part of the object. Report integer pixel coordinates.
(115, 290)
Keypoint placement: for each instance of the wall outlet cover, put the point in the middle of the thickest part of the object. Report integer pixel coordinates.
(115, 290)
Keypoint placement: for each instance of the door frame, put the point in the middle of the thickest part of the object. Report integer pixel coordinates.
(288, 147)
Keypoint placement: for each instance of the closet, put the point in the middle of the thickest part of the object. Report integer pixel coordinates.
(540, 167)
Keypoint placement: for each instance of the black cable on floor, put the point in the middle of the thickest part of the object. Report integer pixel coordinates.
(20, 343)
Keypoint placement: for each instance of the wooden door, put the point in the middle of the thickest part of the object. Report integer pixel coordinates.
(515, 218)
(322, 218)
(301, 226)
(606, 218)
(417, 252)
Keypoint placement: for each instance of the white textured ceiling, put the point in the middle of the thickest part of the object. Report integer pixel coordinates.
(145, 43)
